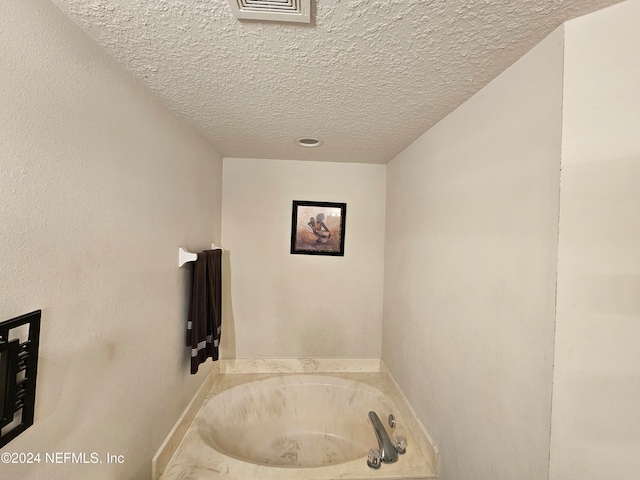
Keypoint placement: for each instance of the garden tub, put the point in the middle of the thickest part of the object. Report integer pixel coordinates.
(296, 426)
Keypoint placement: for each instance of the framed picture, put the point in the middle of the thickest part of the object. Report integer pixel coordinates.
(317, 228)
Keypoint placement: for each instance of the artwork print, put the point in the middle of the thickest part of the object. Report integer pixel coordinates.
(317, 228)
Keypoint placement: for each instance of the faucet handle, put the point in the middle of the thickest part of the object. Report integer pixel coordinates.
(400, 444)
(392, 420)
(373, 460)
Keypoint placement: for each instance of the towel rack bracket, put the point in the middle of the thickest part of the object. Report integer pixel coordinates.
(185, 256)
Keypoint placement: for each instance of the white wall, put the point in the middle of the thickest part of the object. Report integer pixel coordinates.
(285, 305)
(596, 416)
(99, 186)
(470, 265)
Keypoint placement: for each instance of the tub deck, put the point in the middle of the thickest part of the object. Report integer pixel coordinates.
(195, 459)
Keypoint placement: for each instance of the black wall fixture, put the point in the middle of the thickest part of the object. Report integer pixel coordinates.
(19, 339)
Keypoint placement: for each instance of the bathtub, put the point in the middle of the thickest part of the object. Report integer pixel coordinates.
(295, 426)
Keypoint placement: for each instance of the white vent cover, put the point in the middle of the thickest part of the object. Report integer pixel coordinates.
(273, 10)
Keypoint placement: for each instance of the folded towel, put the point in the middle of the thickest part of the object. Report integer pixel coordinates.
(205, 308)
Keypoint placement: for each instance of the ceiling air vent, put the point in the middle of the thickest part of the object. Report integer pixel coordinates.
(273, 10)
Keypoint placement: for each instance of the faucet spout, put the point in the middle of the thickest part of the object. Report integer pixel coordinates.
(388, 453)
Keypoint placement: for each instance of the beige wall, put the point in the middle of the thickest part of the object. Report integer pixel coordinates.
(470, 265)
(99, 186)
(285, 305)
(596, 413)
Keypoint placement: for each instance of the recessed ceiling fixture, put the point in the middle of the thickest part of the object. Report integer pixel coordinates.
(272, 10)
(308, 142)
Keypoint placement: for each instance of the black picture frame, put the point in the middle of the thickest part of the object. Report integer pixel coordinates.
(9, 352)
(318, 228)
(19, 369)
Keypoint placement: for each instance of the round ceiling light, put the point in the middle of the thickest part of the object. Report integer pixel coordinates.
(308, 142)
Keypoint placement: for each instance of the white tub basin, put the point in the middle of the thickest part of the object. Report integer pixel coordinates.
(294, 421)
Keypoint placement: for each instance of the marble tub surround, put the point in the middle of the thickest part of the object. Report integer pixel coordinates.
(315, 426)
(177, 433)
(300, 365)
(424, 440)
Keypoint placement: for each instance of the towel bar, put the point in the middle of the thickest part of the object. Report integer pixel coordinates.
(185, 256)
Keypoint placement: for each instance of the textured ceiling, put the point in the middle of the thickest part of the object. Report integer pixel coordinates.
(367, 76)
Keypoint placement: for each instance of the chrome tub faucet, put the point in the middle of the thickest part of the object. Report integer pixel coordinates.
(388, 453)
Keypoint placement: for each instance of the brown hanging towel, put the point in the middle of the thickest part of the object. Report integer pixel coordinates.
(205, 308)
